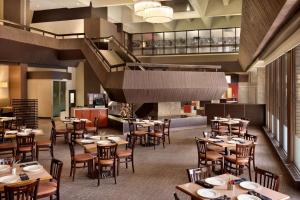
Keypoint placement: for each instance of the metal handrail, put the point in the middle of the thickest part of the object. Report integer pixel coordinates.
(44, 33)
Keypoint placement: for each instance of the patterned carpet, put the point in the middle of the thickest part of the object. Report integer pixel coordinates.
(157, 171)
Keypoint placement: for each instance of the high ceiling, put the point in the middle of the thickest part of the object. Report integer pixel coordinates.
(188, 14)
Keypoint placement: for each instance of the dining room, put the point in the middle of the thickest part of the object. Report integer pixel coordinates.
(149, 99)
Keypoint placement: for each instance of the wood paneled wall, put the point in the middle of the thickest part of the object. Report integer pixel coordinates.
(17, 81)
(253, 112)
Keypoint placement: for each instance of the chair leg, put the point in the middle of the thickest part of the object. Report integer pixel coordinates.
(169, 139)
(74, 171)
(163, 141)
(126, 163)
(51, 151)
(114, 173)
(154, 142)
(99, 174)
(118, 166)
(132, 164)
(249, 169)
(71, 169)
(37, 153)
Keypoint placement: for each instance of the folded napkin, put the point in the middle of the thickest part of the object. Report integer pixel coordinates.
(224, 197)
(262, 197)
(238, 181)
(204, 184)
(219, 141)
(11, 132)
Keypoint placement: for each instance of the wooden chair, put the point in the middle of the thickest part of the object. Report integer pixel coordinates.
(18, 123)
(78, 130)
(157, 136)
(27, 190)
(106, 163)
(240, 159)
(211, 147)
(25, 144)
(252, 138)
(198, 173)
(50, 188)
(93, 129)
(84, 159)
(126, 155)
(59, 132)
(139, 134)
(205, 156)
(242, 128)
(166, 129)
(267, 179)
(45, 145)
(7, 149)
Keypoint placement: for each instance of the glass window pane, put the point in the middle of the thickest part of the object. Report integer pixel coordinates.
(169, 43)
(158, 43)
(204, 49)
(192, 41)
(204, 37)
(230, 48)
(137, 44)
(181, 39)
(216, 36)
(229, 36)
(147, 44)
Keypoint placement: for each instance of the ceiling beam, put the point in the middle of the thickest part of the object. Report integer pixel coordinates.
(199, 6)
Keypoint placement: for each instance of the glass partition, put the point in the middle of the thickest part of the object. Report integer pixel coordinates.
(186, 42)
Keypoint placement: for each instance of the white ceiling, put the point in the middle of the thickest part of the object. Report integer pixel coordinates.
(205, 13)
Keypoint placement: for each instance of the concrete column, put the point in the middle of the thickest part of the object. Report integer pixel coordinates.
(17, 11)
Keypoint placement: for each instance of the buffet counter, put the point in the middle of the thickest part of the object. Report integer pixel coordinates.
(91, 113)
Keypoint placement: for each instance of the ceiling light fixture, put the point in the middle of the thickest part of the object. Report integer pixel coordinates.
(161, 14)
(140, 6)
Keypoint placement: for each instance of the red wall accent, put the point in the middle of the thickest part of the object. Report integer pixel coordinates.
(235, 89)
(90, 114)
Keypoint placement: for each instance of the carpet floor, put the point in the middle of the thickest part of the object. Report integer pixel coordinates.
(157, 172)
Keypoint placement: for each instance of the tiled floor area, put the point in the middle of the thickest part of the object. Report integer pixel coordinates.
(157, 172)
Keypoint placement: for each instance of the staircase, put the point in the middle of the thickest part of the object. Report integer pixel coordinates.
(122, 75)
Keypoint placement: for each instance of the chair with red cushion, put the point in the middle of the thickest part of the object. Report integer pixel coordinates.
(126, 155)
(51, 188)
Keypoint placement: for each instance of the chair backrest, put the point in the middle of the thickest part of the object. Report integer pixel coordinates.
(131, 127)
(267, 179)
(201, 146)
(19, 122)
(25, 191)
(250, 137)
(243, 151)
(79, 125)
(214, 125)
(107, 152)
(56, 169)
(244, 124)
(166, 126)
(53, 123)
(72, 151)
(157, 127)
(131, 142)
(198, 173)
(8, 124)
(25, 141)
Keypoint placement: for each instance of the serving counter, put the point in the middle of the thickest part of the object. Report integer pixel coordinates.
(91, 113)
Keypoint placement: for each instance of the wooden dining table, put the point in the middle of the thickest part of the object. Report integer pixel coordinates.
(92, 148)
(43, 174)
(36, 132)
(4, 119)
(192, 188)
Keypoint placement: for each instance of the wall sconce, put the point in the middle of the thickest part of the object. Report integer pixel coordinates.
(3, 84)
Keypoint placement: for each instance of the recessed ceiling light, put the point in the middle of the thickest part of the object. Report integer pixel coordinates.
(188, 8)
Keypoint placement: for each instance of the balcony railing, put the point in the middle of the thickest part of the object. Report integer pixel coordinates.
(184, 42)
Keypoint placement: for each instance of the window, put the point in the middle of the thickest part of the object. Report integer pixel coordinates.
(192, 41)
(180, 42)
(216, 40)
(158, 44)
(137, 44)
(169, 42)
(147, 44)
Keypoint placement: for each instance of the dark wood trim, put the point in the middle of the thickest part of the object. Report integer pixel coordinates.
(49, 75)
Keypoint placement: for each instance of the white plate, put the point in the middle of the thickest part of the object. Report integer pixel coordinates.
(247, 197)
(33, 168)
(221, 136)
(215, 181)
(9, 179)
(11, 132)
(239, 139)
(249, 185)
(86, 141)
(96, 137)
(208, 193)
(22, 134)
(116, 139)
(232, 142)
(4, 168)
(213, 140)
(103, 142)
